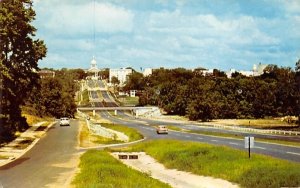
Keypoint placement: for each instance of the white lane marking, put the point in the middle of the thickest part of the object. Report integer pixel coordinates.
(232, 143)
(259, 147)
(199, 138)
(187, 136)
(293, 153)
(214, 140)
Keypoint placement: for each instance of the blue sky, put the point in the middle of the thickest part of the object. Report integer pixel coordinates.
(163, 33)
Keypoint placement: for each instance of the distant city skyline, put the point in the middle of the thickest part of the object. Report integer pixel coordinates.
(161, 33)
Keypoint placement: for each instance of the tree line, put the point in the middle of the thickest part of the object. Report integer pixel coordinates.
(20, 83)
(56, 96)
(204, 97)
(20, 54)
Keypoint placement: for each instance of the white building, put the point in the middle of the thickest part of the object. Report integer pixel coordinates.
(259, 69)
(94, 69)
(121, 74)
(147, 72)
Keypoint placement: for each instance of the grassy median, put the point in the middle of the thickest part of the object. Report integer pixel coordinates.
(130, 132)
(233, 135)
(223, 162)
(100, 169)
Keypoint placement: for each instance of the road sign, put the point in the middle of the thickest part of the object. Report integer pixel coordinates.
(249, 143)
(247, 140)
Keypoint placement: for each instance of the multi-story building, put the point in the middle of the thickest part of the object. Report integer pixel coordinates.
(122, 74)
(147, 72)
(46, 74)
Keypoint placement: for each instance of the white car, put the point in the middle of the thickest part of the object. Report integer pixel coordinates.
(64, 121)
(161, 129)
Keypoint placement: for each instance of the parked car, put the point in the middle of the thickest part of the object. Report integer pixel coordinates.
(161, 129)
(64, 121)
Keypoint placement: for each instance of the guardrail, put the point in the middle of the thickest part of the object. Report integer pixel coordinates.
(264, 131)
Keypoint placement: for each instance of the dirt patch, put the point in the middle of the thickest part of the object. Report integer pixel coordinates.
(175, 178)
(40, 128)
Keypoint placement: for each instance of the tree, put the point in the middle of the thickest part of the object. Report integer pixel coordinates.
(115, 81)
(135, 81)
(297, 66)
(20, 54)
(104, 74)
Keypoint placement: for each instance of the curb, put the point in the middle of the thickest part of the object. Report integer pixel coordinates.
(9, 160)
(112, 145)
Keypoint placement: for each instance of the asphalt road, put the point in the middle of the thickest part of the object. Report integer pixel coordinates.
(146, 127)
(44, 164)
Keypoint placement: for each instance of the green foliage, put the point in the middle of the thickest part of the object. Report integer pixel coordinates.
(183, 92)
(135, 81)
(56, 96)
(115, 81)
(100, 169)
(130, 132)
(20, 54)
(223, 162)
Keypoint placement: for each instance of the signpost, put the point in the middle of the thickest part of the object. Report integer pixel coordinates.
(249, 143)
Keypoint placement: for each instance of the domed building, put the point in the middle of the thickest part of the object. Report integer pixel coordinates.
(94, 69)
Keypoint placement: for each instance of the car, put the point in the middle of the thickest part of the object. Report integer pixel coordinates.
(64, 121)
(161, 129)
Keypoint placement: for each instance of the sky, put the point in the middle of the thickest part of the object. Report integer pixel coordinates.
(222, 34)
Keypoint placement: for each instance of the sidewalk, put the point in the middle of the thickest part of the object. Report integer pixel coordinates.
(23, 143)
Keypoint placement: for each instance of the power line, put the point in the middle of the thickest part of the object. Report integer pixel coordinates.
(94, 35)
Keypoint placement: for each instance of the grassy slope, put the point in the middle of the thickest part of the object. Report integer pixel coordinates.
(269, 140)
(100, 169)
(224, 162)
(130, 132)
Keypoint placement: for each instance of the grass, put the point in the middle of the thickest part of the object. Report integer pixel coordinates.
(242, 137)
(88, 139)
(255, 123)
(33, 119)
(174, 128)
(100, 169)
(129, 101)
(223, 162)
(2, 157)
(130, 132)
(228, 135)
(85, 97)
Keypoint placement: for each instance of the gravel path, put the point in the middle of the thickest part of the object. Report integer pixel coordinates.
(177, 179)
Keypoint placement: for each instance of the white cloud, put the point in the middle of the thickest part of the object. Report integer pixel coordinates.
(292, 6)
(241, 30)
(169, 33)
(78, 19)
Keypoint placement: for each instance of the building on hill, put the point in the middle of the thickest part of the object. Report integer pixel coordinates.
(256, 71)
(46, 74)
(147, 72)
(94, 69)
(122, 74)
(259, 69)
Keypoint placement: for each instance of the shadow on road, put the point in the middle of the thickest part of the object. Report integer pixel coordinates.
(15, 163)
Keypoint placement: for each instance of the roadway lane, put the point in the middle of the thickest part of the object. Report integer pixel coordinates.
(46, 161)
(198, 127)
(147, 129)
(100, 84)
(108, 101)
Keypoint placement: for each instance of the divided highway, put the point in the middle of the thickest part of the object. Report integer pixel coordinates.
(146, 127)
